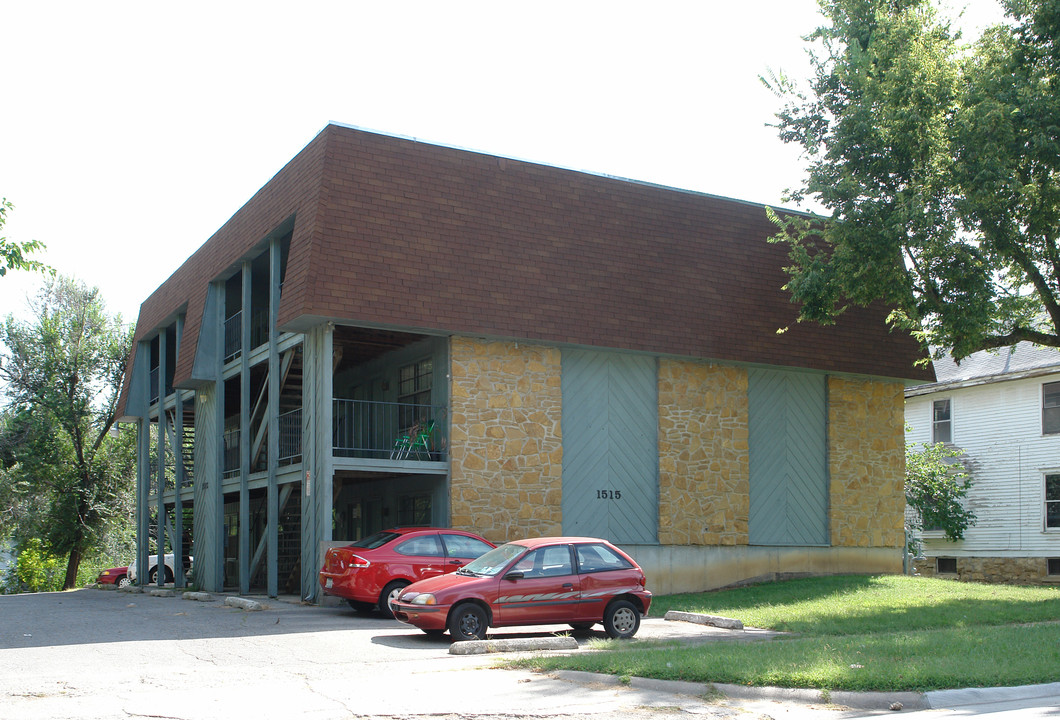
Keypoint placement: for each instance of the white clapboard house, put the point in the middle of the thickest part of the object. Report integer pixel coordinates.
(1003, 410)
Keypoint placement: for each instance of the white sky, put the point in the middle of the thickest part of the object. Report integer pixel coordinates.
(131, 131)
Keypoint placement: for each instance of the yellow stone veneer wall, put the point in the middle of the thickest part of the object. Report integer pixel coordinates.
(866, 451)
(506, 445)
(703, 454)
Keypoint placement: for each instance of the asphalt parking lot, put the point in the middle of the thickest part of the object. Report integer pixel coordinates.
(95, 654)
(105, 654)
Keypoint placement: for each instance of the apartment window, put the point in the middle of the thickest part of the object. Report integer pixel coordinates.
(414, 510)
(415, 387)
(1052, 502)
(942, 421)
(946, 566)
(1051, 408)
(414, 392)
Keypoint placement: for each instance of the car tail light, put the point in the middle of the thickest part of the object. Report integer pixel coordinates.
(338, 559)
(643, 581)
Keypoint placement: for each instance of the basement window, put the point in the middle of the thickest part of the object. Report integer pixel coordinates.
(946, 566)
(1053, 567)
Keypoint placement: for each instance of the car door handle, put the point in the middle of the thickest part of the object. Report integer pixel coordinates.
(456, 562)
(568, 585)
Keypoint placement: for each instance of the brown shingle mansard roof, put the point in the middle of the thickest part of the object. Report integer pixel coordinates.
(391, 232)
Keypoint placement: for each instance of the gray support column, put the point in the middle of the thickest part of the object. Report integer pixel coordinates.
(178, 475)
(143, 452)
(317, 449)
(217, 550)
(273, 508)
(310, 373)
(160, 517)
(244, 435)
(326, 497)
(143, 489)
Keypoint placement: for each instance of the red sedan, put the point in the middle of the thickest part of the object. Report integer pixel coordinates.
(118, 576)
(373, 570)
(571, 580)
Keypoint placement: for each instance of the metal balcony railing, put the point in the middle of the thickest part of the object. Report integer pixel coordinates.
(233, 335)
(290, 427)
(386, 430)
(231, 459)
(259, 328)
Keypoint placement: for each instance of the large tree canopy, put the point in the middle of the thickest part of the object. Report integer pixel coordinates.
(939, 164)
(63, 473)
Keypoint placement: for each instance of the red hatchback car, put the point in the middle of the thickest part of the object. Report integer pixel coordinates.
(114, 576)
(572, 580)
(373, 570)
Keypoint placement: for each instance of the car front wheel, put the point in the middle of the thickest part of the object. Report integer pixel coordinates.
(122, 581)
(468, 622)
(621, 619)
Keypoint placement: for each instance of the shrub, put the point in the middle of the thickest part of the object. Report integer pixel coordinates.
(35, 570)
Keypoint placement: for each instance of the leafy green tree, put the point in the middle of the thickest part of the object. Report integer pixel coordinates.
(938, 164)
(936, 486)
(66, 472)
(14, 255)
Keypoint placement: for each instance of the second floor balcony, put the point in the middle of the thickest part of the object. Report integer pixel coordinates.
(386, 432)
(389, 431)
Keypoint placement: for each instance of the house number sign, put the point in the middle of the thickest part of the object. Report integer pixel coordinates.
(608, 494)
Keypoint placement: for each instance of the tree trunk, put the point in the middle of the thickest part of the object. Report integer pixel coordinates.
(71, 569)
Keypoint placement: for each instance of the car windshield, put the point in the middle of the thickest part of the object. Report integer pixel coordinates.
(494, 561)
(375, 540)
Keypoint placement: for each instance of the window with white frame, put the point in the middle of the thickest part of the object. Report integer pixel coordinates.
(941, 421)
(1052, 501)
(1051, 408)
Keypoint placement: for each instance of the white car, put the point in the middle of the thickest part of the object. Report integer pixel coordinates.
(152, 563)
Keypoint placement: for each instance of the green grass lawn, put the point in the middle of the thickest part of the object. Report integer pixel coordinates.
(854, 632)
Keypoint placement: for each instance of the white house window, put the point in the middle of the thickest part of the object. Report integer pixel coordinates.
(941, 422)
(1051, 408)
(1052, 502)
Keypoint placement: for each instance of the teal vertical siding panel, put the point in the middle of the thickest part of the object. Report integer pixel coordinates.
(788, 438)
(207, 547)
(610, 446)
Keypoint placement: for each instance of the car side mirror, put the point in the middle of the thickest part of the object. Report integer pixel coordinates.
(514, 575)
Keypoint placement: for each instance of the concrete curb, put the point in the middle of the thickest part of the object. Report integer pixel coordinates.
(938, 699)
(244, 604)
(134, 589)
(157, 592)
(481, 647)
(701, 619)
(197, 596)
(854, 700)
